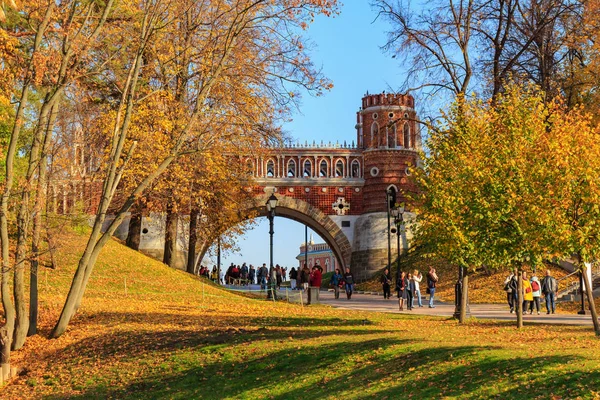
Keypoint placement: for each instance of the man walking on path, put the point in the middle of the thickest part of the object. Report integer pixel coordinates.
(549, 289)
(432, 280)
(385, 280)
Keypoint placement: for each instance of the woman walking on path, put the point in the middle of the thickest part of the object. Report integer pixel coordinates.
(417, 277)
(527, 293)
(336, 280)
(410, 291)
(349, 279)
(432, 280)
(536, 288)
(401, 289)
(385, 280)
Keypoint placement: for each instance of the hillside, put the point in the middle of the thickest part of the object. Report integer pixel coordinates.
(146, 331)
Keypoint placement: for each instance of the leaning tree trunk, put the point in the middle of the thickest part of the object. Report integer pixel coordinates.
(135, 230)
(4, 354)
(464, 298)
(519, 305)
(191, 258)
(170, 236)
(590, 298)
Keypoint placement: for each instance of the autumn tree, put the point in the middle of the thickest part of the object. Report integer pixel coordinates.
(244, 46)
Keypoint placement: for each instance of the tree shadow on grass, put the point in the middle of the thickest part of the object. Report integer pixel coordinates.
(199, 332)
(234, 379)
(159, 318)
(477, 378)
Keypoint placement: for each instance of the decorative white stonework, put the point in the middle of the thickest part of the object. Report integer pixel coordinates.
(324, 190)
(291, 190)
(341, 206)
(341, 190)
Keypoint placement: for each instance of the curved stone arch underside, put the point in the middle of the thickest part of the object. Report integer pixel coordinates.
(301, 211)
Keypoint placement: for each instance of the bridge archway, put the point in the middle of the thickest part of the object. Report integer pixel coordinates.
(303, 212)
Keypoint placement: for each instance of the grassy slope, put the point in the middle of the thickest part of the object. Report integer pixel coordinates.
(172, 336)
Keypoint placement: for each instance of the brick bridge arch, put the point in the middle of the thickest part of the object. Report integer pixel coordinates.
(301, 211)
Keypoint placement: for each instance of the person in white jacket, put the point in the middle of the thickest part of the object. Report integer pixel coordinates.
(417, 278)
(536, 287)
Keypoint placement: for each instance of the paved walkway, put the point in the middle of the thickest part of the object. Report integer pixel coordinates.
(376, 303)
(485, 311)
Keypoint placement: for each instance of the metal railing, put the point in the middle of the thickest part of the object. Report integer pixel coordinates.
(571, 281)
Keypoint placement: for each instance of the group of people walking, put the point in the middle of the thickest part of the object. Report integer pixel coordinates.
(304, 277)
(533, 289)
(408, 287)
(339, 281)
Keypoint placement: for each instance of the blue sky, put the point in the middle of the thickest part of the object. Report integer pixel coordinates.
(348, 49)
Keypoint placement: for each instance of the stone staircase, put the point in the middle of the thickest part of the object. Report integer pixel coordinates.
(569, 287)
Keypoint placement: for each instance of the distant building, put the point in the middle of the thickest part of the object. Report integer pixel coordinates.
(318, 253)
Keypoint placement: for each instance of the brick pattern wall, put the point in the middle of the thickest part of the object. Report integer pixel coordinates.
(322, 197)
(391, 170)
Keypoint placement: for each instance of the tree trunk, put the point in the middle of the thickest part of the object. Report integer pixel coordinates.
(4, 354)
(191, 258)
(38, 208)
(590, 298)
(170, 236)
(519, 305)
(135, 230)
(464, 298)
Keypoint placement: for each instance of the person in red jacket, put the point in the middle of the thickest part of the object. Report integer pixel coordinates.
(316, 276)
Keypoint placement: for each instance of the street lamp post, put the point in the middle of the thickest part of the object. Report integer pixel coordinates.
(398, 214)
(271, 204)
(388, 196)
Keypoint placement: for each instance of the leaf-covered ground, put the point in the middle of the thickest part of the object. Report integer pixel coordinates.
(145, 331)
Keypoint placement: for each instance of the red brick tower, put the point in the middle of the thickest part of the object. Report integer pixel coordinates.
(387, 133)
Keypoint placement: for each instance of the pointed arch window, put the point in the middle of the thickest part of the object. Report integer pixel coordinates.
(291, 169)
(270, 169)
(339, 169)
(323, 167)
(391, 137)
(406, 135)
(307, 171)
(355, 169)
(374, 134)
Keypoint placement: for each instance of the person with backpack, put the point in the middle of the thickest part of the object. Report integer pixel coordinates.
(536, 292)
(549, 289)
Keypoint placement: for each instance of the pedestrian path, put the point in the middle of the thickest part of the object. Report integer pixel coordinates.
(483, 311)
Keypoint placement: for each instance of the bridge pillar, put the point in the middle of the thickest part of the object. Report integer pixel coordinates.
(369, 248)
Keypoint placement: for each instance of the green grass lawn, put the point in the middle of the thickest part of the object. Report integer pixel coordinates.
(172, 336)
